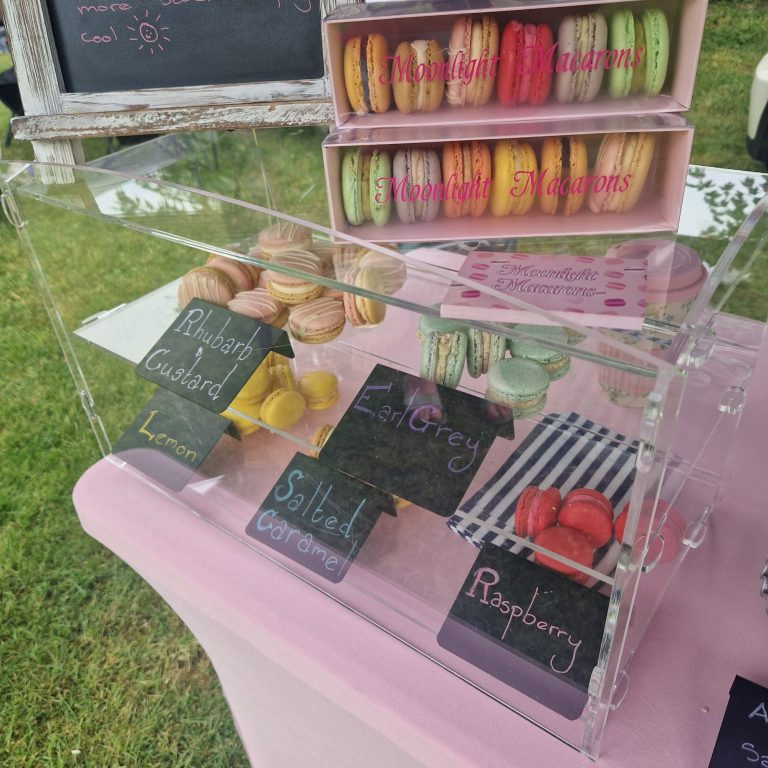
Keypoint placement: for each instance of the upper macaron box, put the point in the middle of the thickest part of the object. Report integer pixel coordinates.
(447, 62)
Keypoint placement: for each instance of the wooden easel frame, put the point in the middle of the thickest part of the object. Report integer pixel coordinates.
(54, 120)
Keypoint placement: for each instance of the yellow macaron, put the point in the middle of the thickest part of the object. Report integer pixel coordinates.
(320, 389)
(283, 408)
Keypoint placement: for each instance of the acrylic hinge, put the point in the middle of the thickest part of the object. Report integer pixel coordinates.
(764, 584)
(697, 530)
(733, 401)
(595, 687)
(620, 690)
(698, 351)
(87, 403)
(11, 211)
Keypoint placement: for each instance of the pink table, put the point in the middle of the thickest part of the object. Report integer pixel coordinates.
(310, 683)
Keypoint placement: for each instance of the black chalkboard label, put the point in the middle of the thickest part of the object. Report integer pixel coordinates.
(318, 517)
(170, 439)
(116, 46)
(743, 737)
(529, 627)
(415, 439)
(209, 353)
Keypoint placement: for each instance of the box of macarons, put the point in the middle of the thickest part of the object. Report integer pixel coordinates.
(442, 183)
(444, 62)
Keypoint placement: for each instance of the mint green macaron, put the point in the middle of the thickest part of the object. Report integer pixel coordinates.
(621, 37)
(443, 350)
(554, 362)
(381, 175)
(519, 384)
(483, 350)
(656, 32)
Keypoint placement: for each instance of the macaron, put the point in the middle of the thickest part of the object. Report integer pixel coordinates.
(363, 310)
(621, 37)
(244, 424)
(366, 74)
(255, 389)
(483, 350)
(536, 509)
(317, 321)
(621, 169)
(392, 271)
(281, 377)
(580, 37)
(512, 186)
(566, 161)
(590, 512)
(320, 389)
(260, 305)
(670, 526)
(320, 438)
(418, 171)
(467, 177)
(239, 273)
(282, 236)
(443, 350)
(637, 84)
(296, 287)
(656, 33)
(473, 49)
(207, 284)
(566, 542)
(523, 77)
(366, 177)
(555, 363)
(283, 408)
(518, 384)
(418, 83)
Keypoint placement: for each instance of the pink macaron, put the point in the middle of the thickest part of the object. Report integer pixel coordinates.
(317, 321)
(260, 305)
(590, 512)
(536, 510)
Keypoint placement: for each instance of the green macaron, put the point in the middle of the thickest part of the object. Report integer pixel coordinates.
(656, 32)
(351, 186)
(443, 350)
(483, 350)
(519, 384)
(380, 176)
(621, 37)
(554, 362)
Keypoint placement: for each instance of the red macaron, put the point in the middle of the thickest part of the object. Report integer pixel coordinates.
(566, 542)
(536, 510)
(664, 547)
(589, 512)
(524, 75)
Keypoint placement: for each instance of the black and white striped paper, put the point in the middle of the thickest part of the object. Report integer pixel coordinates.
(566, 451)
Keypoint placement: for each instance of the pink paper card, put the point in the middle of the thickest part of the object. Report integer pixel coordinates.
(590, 290)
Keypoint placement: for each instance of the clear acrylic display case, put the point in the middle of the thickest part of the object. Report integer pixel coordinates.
(645, 415)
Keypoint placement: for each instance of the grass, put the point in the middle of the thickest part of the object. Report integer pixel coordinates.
(94, 669)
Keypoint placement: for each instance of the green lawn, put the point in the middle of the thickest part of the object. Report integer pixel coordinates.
(95, 671)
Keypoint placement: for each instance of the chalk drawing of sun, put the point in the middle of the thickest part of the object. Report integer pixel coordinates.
(149, 33)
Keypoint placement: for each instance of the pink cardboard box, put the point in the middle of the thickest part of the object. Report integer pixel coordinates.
(657, 209)
(434, 20)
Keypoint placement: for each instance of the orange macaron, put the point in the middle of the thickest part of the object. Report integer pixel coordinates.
(564, 167)
(467, 178)
(366, 74)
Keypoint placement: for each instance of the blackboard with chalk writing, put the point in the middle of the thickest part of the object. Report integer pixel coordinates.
(529, 627)
(138, 44)
(209, 353)
(318, 516)
(423, 442)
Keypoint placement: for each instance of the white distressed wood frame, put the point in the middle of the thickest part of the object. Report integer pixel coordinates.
(54, 119)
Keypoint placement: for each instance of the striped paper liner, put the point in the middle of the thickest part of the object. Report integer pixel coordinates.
(564, 450)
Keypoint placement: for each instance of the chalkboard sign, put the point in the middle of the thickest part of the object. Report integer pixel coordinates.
(529, 627)
(209, 353)
(134, 44)
(170, 439)
(415, 439)
(743, 737)
(318, 517)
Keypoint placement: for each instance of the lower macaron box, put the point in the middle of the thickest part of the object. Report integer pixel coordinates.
(476, 182)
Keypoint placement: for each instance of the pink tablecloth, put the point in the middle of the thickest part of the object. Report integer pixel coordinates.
(310, 683)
